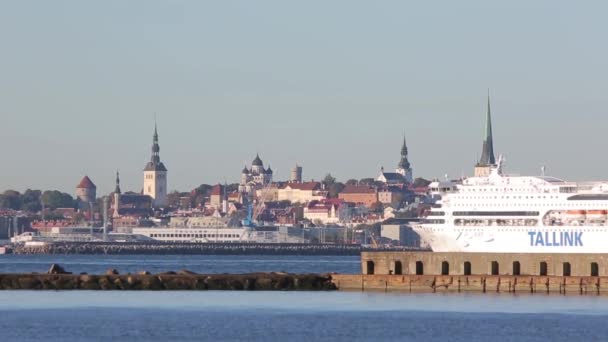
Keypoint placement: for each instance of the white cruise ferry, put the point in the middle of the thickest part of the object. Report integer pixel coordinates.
(516, 214)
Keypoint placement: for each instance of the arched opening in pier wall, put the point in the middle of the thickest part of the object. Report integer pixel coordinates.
(419, 268)
(516, 268)
(398, 268)
(567, 269)
(595, 269)
(494, 269)
(467, 268)
(543, 268)
(445, 268)
(370, 267)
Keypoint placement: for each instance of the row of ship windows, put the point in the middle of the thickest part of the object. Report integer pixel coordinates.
(509, 189)
(522, 204)
(486, 213)
(506, 197)
(473, 222)
(508, 223)
(199, 236)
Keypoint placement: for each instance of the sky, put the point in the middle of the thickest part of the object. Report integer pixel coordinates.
(330, 85)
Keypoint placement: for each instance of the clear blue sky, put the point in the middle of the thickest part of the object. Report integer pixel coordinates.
(331, 85)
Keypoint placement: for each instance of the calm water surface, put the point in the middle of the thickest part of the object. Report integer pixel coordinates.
(277, 316)
(298, 316)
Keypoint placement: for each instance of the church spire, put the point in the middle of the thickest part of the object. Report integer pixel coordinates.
(404, 163)
(155, 147)
(117, 188)
(155, 164)
(487, 153)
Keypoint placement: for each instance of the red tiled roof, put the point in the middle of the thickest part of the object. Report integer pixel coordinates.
(86, 183)
(216, 190)
(308, 186)
(358, 189)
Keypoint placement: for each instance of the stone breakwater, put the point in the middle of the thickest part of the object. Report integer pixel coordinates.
(114, 248)
(57, 279)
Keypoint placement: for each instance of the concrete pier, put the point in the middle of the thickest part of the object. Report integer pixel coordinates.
(479, 272)
(474, 283)
(491, 264)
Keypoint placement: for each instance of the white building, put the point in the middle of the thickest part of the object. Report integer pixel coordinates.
(403, 173)
(301, 192)
(255, 177)
(155, 176)
(327, 212)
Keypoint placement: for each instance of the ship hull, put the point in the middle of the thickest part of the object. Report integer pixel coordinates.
(490, 239)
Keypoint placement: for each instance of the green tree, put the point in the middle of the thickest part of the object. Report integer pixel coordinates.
(328, 180)
(173, 199)
(377, 207)
(367, 181)
(54, 199)
(335, 189)
(232, 187)
(31, 201)
(352, 182)
(11, 199)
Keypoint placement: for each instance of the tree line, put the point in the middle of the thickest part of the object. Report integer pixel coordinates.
(33, 200)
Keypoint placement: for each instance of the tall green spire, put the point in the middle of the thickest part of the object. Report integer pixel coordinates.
(404, 151)
(487, 152)
(117, 188)
(404, 163)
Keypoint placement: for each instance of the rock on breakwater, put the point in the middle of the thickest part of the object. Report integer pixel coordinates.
(182, 280)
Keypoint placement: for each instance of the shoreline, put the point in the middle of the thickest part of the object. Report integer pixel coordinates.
(146, 248)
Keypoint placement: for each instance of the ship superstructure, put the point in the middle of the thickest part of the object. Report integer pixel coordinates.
(517, 214)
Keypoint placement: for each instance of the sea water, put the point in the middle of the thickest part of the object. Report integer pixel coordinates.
(278, 316)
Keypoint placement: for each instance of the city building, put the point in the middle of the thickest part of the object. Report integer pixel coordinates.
(86, 191)
(211, 221)
(403, 174)
(155, 176)
(290, 216)
(129, 207)
(255, 177)
(269, 193)
(217, 197)
(390, 195)
(400, 232)
(359, 194)
(327, 212)
(301, 192)
(487, 160)
(296, 174)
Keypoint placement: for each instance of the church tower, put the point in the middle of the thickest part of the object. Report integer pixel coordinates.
(116, 212)
(155, 176)
(487, 160)
(404, 168)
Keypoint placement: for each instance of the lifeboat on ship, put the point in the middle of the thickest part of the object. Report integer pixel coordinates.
(576, 214)
(597, 214)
